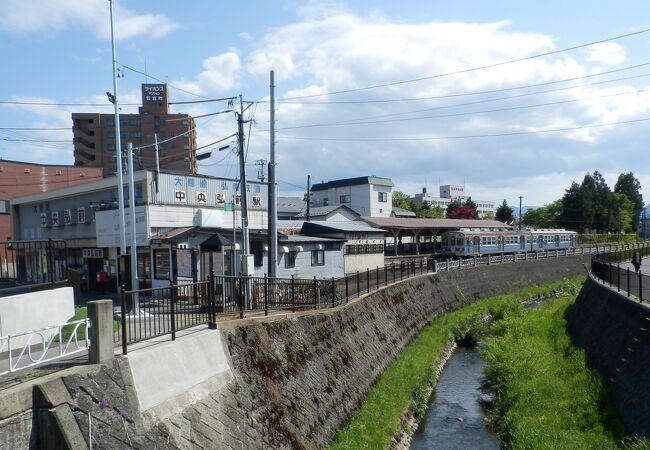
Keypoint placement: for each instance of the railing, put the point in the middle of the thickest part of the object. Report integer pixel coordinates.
(150, 313)
(613, 268)
(28, 349)
(27, 266)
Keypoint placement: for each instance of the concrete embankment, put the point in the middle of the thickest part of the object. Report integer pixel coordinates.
(279, 382)
(614, 331)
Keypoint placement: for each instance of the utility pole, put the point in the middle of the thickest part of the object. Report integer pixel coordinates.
(135, 285)
(308, 197)
(520, 197)
(273, 216)
(118, 143)
(242, 187)
(155, 143)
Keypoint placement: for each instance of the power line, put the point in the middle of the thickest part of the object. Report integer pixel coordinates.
(12, 102)
(32, 140)
(490, 91)
(35, 128)
(472, 136)
(160, 81)
(473, 69)
(466, 113)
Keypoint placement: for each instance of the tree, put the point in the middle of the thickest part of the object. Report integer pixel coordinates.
(427, 211)
(504, 213)
(488, 215)
(627, 184)
(624, 213)
(572, 214)
(462, 212)
(546, 216)
(401, 200)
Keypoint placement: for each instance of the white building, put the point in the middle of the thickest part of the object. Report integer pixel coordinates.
(450, 193)
(368, 196)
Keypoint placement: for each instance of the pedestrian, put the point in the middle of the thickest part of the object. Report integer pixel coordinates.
(636, 261)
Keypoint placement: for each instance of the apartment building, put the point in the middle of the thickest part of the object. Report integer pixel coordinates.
(368, 196)
(450, 193)
(94, 136)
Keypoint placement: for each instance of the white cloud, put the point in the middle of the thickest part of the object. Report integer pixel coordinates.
(609, 53)
(26, 17)
(220, 73)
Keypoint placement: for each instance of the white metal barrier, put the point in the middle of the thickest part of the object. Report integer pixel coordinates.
(28, 349)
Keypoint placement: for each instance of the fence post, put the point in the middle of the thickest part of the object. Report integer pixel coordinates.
(333, 292)
(316, 294)
(212, 309)
(385, 275)
(394, 278)
(50, 262)
(367, 279)
(609, 275)
(358, 285)
(240, 295)
(618, 277)
(293, 294)
(100, 313)
(640, 287)
(435, 268)
(401, 270)
(123, 318)
(347, 296)
(172, 313)
(628, 281)
(266, 295)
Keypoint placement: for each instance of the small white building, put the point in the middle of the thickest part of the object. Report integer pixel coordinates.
(450, 193)
(368, 196)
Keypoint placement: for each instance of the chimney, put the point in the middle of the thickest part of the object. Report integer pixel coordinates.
(424, 190)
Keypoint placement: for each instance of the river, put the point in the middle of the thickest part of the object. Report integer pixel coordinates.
(454, 418)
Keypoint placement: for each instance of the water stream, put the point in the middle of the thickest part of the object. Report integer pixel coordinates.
(454, 418)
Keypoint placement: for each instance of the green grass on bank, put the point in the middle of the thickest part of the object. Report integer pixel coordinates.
(378, 420)
(546, 396)
(79, 314)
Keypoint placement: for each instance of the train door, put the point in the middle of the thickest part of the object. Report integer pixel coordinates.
(477, 245)
(522, 242)
(557, 241)
(500, 244)
(540, 242)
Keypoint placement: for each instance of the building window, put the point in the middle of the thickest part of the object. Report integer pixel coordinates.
(383, 197)
(161, 264)
(317, 257)
(81, 215)
(290, 259)
(344, 199)
(325, 202)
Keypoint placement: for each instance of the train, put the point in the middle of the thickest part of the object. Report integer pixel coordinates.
(482, 241)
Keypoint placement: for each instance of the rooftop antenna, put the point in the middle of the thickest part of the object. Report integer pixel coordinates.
(146, 74)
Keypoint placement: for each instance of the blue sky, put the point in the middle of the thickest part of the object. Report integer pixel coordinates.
(59, 51)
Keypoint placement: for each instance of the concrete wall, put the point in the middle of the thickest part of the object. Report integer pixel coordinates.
(295, 380)
(613, 331)
(26, 312)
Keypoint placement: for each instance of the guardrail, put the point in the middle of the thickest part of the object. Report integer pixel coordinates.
(23, 350)
(613, 268)
(148, 313)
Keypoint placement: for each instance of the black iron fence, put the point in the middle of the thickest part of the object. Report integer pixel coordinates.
(27, 266)
(616, 269)
(148, 313)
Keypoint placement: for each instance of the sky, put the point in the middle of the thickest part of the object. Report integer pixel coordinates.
(425, 93)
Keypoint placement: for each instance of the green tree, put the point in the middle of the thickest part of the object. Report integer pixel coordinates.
(504, 213)
(624, 213)
(427, 211)
(488, 215)
(627, 184)
(546, 216)
(401, 200)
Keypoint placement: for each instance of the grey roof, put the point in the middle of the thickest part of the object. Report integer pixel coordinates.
(338, 227)
(373, 179)
(325, 210)
(303, 238)
(290, 204)
(290, 224)
(399, 212)
(449, 224)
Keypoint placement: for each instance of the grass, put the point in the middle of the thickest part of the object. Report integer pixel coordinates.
(546, 395)
(79, 314)
(401, 385)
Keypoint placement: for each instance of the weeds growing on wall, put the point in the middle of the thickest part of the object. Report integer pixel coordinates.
(400, 387)
(546, 396)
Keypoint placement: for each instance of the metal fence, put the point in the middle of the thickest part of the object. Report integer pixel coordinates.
(149, 313)
(27, 266)
(613, 268)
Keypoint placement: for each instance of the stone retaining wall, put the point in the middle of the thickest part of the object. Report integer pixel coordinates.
(614, 332)
(296, 379)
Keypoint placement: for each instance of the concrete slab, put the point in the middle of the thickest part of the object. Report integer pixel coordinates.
(170, 375)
